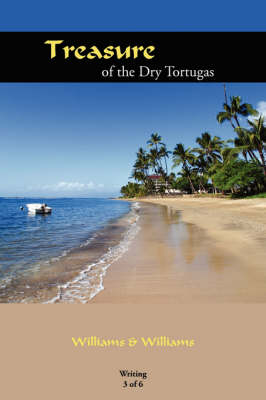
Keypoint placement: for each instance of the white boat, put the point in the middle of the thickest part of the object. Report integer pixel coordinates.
(38, 208)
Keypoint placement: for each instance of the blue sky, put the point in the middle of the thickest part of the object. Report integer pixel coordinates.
(81, 139)
(70, 139)
(169, 15)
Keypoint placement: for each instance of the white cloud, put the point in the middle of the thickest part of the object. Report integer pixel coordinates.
(261, 108)
(69, 187)
(74, 186)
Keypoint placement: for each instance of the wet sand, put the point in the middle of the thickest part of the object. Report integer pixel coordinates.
(67, 278)
(192, 251)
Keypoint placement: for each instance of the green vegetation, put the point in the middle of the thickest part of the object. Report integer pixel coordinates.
(236, 167)
(257, 196)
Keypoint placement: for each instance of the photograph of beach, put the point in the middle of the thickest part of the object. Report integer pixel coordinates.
(144, 193)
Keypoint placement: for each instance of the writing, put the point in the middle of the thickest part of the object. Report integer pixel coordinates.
(94, 52)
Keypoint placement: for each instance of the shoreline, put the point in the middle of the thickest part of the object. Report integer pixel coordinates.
(228, 237)
(242, 221)
(64, 278)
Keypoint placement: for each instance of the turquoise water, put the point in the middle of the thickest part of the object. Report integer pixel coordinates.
(26, 241)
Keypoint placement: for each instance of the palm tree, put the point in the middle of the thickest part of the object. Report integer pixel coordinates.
(155, 140)
(138, 175)
(244, 145)
(164, 153)
(141, 154)
(235, 108)
(184, 157)
(255, 139)
(200, 167)
(231, 153)
(142, 161)
(154, 160)
(210, 148)
(141, 167)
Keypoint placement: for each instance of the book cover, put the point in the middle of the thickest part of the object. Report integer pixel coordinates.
(132, 246)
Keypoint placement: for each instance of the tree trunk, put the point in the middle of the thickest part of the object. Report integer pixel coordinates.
(255, 157)
(226, 102)
(166, 168)
(263, 161)
(232, 124)
(236, 119)
(225, 95)
(191, 184)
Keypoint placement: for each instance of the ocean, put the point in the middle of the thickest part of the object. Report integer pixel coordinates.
(61, 257)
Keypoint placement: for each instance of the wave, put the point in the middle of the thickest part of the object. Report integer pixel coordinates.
(89, 282)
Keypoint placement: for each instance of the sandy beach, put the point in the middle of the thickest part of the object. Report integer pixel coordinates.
(192, 250)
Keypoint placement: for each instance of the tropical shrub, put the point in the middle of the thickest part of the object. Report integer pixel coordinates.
(239, 176)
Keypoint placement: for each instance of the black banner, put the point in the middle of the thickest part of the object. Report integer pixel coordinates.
(132, 57)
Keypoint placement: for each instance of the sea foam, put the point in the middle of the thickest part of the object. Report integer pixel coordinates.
(89, 282)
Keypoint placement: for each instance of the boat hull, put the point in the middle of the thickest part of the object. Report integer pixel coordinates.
(37, 208)
(46, 211)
